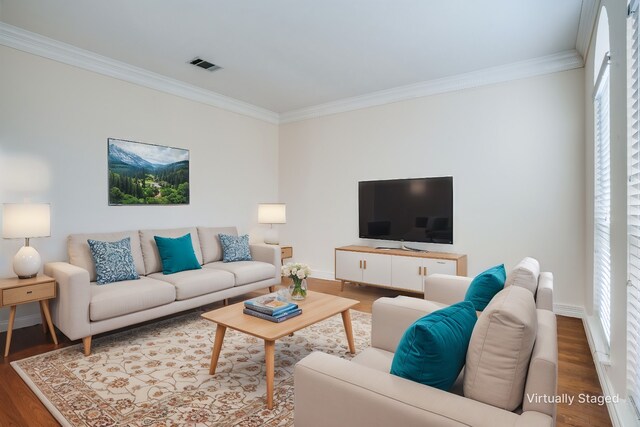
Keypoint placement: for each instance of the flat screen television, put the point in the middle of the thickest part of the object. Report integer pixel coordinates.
(412, 210)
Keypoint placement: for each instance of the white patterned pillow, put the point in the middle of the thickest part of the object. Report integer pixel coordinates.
(235, 248)
(114, 261)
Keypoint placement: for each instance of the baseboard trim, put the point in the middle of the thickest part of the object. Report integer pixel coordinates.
(21, 322)
(622, 413)
(320, 274)
(569, 310)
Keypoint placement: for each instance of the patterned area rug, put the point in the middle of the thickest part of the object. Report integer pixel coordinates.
(157, 375)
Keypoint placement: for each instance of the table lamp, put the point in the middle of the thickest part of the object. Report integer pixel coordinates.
(272, 213)
(24, 221)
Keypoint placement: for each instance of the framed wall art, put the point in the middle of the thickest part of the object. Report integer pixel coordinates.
(147, 174)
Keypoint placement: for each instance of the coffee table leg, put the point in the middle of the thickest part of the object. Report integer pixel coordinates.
(346, 319)
(269, 356)
(217, 347)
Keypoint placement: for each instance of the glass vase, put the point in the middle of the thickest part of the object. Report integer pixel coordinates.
(298, 290)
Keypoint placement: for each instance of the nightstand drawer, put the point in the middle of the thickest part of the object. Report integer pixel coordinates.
(28, 293)
(286, 252)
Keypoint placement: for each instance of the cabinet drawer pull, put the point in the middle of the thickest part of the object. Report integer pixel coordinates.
(424, 271)
(29, 292)
(442, 262)
(365, 264)
(419, 271)
(360, 264)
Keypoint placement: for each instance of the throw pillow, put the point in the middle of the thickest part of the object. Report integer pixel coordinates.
(177, 254)
(235, 248)
(113, 260)
(433, 350)
(485, 286)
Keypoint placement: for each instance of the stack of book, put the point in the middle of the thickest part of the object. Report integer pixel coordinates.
(271, 308)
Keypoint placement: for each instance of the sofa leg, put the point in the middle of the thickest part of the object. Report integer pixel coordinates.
(225, 301)
(341, 285)
(86, 343)
(272, 288)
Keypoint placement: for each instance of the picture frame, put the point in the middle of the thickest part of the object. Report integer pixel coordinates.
(142, 174)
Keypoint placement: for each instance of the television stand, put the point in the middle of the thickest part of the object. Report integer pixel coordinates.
(394, 268)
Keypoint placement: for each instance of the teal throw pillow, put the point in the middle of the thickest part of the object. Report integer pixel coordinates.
(235, 248)
(177, 254)
(433, 350)
(113, 260)
(485, 285)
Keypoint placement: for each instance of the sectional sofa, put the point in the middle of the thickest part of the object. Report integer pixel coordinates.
(83, 308)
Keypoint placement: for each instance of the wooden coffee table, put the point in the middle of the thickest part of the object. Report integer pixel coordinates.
(316, 307)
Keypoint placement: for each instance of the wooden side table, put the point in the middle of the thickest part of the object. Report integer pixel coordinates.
(14, 292)
(285, 252)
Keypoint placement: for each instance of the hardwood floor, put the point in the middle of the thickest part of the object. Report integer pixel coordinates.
(20, 407)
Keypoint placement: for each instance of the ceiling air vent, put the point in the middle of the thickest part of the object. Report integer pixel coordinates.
(198, 62)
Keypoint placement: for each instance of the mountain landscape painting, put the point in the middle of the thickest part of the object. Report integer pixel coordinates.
(147, 174)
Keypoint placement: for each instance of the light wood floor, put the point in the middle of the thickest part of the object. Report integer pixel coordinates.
(20, 407)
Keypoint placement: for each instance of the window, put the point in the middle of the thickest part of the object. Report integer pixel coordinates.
(633, 208)
(602, 202)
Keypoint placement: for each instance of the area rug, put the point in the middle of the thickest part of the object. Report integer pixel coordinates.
(157, 375)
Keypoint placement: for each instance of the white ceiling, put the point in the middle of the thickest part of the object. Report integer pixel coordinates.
(284, 55)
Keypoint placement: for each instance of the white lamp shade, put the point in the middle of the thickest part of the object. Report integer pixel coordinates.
(272, 213)
(22, 220)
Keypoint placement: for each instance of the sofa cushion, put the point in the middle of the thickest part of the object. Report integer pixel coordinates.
(150, 254)
(193, 283)
(525, 274)
(500, 349)
(485, 286)
(245, 271)
(235, 248)
(128, 296)
(113, 261)
(80, 255)
(177, 254)
(432, 351)
(210, 242)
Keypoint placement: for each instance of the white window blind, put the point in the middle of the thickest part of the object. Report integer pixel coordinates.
(633, 207)
(602, 205)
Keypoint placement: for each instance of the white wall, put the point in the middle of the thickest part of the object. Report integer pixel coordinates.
(54, 123)
(515, 150)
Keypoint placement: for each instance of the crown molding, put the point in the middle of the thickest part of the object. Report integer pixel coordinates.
(518, 70)
(46, 47)
(587, 24)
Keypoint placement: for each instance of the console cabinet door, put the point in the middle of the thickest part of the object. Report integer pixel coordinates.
(440, 266)
(348, 266)
(407, 273)
(376, 269)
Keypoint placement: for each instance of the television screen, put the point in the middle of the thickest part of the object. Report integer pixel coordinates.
(413, 210)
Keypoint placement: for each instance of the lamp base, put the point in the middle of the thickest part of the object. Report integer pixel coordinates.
(27, 262)
(271, 237)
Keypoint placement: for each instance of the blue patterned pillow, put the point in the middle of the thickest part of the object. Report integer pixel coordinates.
(235, 248)
(114, 262)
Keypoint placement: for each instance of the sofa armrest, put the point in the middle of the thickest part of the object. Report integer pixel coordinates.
(333, 391)
(542, 377)
(267, 253)
(390, 317)
(70, 308)
(446, 289)
(544, 294)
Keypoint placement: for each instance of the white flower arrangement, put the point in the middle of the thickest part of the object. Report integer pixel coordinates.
(296, 271)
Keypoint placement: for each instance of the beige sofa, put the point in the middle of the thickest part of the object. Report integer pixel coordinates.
(333, 391)
(83, 308)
